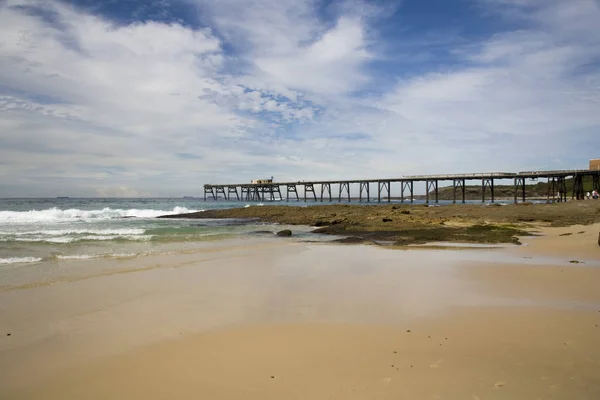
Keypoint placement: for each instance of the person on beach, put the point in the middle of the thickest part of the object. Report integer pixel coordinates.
(595, 194)
(588, 196)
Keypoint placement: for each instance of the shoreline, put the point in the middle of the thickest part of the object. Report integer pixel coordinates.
(402, 225)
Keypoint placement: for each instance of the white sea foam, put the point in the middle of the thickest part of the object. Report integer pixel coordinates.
(54, 214)
(122, 255)
(19, 260)
(253, 205)
(88, 231)
(78, 257)
(71, 239)
(81, 257)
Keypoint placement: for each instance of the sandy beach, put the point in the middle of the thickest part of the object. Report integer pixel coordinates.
(276, 318)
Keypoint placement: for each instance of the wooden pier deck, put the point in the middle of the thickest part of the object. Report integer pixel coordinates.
(320, 190)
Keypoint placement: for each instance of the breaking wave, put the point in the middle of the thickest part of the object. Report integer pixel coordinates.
(19, 260)
(55, 214)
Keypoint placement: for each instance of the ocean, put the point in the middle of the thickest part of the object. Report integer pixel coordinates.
(51, 230)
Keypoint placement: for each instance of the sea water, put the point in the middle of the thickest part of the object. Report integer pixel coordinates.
(36, 230)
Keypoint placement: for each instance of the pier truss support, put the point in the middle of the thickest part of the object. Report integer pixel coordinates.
(344, 187)
(209, 190)
(255, 193)
(456, 185)
(557, 189)
(220, 190)
(519, 187)
(326, 187)
(232, 189)
(383, 186)
(276, 189)
(309, 187)
(291, 189)
(578, 192)
(487, 183)
(247, 193)
(429, 186)
(407, 185)
(364, 186)
(596, 182)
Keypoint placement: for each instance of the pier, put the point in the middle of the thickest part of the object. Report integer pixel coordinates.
(322, 190)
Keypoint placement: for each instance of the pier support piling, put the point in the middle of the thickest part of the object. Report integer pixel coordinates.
(431, 185)
(458, 184)
(578, 192)
(326, 187)
(383, 186)
(487, 183)
(309, 187)
(519, 186)
(291, 189)
(364, 186)
(404, 185)
(344, 186)
(221, 190)
(233, 189)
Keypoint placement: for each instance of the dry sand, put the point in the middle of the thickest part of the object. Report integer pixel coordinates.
(321, 322)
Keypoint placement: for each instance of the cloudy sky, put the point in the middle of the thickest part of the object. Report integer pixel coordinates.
(158, 97)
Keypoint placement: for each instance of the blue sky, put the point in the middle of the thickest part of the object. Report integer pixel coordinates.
(156, 98)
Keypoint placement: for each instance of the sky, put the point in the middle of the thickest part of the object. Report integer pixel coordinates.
(132, 98)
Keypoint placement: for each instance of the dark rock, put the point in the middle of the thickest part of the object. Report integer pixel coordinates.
(405, 212)
(8, 334)
(394, 207)
(565, 234)
(408, 330)
(350, 240)
(285, 232)
(386, 219)
(576, 262)
(328, 223)
(272, 376)
(599, 239)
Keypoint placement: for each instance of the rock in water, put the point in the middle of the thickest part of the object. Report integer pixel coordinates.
(598, 238)
(285, 232)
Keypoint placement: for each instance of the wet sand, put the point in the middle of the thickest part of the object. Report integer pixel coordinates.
(280, 319)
